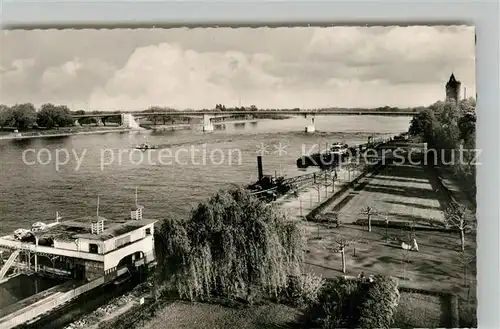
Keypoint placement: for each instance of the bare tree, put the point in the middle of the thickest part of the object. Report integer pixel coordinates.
(342, 243)
(386, 229)
(327, 182)
(369, 212)
(465, 259)
(411, 227)
(405, 260)
(356, 239)
(318, 184)
(353, 167)
(349, 167)
(459, 217)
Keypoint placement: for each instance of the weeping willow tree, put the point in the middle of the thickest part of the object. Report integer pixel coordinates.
(232, 245)
(172, 252)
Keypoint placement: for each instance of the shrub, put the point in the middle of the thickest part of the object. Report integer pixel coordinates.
(302, 290)
(336, 305)
(380, 302)
(468, 316)
(354, 303)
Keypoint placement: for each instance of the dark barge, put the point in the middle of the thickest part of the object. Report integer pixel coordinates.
(268, 187)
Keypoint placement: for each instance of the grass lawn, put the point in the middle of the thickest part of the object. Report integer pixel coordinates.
(179, 315)
(436, 266)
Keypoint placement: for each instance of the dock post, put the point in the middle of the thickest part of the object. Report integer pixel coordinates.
(259, 167)
(36, 254)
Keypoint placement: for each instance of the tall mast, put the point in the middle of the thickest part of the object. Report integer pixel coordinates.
(136, 196)
(97, 207)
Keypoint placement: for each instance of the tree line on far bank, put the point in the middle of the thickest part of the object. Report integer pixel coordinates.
(25, 116)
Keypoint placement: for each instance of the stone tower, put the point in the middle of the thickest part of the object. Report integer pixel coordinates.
(453, 89)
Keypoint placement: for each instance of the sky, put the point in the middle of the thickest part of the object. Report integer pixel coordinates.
(304, 67)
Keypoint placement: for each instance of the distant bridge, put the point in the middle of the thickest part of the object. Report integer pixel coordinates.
(248, 112)
(127, 119)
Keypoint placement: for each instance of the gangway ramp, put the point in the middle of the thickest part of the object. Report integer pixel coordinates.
(29, 312)
(34, 305)
(21, 304)
(8, 263)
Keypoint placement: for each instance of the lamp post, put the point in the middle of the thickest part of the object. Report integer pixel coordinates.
(386, 229)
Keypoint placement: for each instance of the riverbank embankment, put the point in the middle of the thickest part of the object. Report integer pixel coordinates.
(67, 133)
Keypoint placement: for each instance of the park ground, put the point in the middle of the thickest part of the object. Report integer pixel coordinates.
(397, 193)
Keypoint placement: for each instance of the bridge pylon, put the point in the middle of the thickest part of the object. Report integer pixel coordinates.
(311, 128)
(128, 121)
(207, 123)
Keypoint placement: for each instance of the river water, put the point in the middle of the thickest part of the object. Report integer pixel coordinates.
(21, 287)
(171, 181)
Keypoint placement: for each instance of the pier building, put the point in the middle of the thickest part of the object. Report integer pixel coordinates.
(82, 248)
(89, 252)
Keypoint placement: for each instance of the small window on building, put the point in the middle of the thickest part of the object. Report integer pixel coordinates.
(93, 248)
(148, 231)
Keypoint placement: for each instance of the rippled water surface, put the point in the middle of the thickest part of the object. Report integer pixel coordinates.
(170, 181)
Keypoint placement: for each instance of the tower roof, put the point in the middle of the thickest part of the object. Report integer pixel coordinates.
(453, 80)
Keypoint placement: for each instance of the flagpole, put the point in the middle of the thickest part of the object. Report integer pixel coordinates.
(98, 207)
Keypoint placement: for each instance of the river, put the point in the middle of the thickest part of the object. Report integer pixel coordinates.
(170, 181)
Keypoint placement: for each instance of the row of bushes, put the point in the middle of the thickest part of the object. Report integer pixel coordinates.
(404, 225)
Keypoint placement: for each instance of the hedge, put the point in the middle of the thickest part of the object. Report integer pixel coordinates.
(449, 297)
(354, 303)
(337, 305)
(403, 225)
(380, 303)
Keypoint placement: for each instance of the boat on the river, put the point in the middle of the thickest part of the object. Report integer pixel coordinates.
(328, 159)
(339, 148)
(269, 188)
(146, 146)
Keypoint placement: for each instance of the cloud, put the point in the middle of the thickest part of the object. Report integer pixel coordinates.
(168, 74)
(412, 44)
(198, 68)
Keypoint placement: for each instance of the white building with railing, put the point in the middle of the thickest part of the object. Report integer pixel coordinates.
(91, 246)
